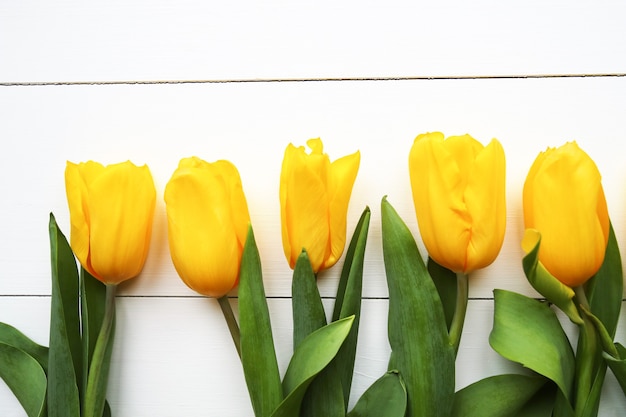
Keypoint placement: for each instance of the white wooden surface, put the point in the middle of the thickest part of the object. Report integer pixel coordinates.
(155, 81)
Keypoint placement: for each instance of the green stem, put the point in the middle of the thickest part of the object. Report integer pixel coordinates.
(585, 360)
(456, 327)
(95, 395)
(231, 321)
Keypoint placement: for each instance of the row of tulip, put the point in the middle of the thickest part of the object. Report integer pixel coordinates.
(458, 189)
(459, 194)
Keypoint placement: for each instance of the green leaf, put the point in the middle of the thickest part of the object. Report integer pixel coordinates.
(547, 285)
(528, 332)
(604, 290)
(13, 337)
(385, 397)
(418, 335)
(258, 356)
(306, 302)
(25, 377)
(496, 396)
(65, 355)
(351, 279)
(445, 282)
(618, 365)
(312, 355)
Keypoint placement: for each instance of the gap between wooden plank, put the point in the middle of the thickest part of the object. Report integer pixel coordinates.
(329, 79)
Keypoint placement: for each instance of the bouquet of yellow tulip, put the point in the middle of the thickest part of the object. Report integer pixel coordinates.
(111, 210)
(573, 261)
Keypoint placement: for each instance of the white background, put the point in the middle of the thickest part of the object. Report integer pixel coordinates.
(155, 81)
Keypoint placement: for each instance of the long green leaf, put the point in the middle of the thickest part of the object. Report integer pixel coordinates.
(312, 355)
(324, 395)
(496, 396)
(385, 397)
(306, 302)
(418, 335)
(11, 336)
(258, 355)
(348, 290)
(25, 377)
(528, 332)
(65, 355)
(604, 290)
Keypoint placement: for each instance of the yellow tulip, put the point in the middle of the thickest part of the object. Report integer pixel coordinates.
(314, 197)
(459, 194)
(564, 201)
(208, 219)
(111, 212)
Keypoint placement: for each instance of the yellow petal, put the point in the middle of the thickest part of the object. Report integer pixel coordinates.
(236, 198)
(438, 189)
(76, 191)
(121, 206)
(528, 191)
(291, 158)
(486, 204)
(464, 150)
(307, 216)
(343, 173)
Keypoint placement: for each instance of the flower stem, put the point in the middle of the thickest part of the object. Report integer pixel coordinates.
(95, 395)
(231, 321)
(456, 327)
(586, 357)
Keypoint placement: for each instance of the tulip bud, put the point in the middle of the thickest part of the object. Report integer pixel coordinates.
(208, 219)
(459, 194)
(564, 201)
(314, 197)
(111, 211)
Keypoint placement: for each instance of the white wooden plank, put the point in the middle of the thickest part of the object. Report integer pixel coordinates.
(72, 40)
(174, 356)
(251, 124)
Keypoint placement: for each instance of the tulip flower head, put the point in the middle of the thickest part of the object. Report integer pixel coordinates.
(459, 194)
(564, 201)
(208, 219)
(111, 211)
(314, 197)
